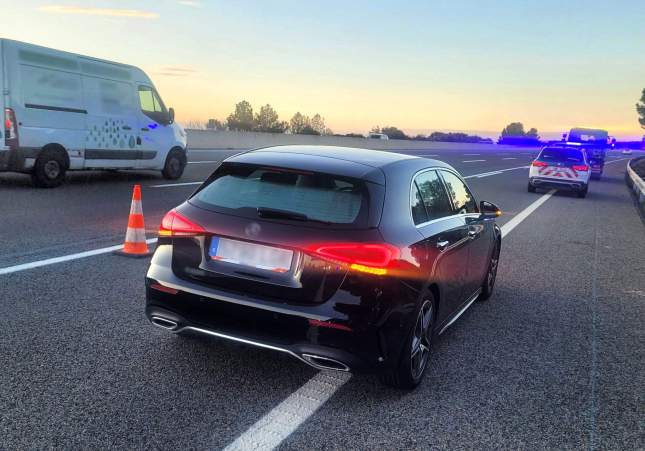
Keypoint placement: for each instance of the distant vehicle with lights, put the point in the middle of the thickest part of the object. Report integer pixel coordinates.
(347, 259)
(381, 136)
(595, 143)
(64, 111)
(561, 167)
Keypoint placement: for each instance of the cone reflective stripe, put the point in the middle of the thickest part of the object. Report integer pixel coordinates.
(135, 236)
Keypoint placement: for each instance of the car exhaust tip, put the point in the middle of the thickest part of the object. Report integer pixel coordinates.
(164, 323)
(324, 363)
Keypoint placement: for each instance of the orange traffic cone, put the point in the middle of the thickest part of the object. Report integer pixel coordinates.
(135, 237)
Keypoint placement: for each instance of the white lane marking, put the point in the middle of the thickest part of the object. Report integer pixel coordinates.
(430, 155)
(471, 154)
(616, 161)
(64, 258)
(498, 171)
(472, 161)
(274, 427)
(170, 185)
(509, 158)
(205, 162)
(488, 174)
(270, 430)
(522, 215)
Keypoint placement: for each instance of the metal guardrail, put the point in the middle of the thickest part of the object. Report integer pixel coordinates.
(636, 182)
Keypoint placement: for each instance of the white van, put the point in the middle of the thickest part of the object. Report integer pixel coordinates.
(67, 112)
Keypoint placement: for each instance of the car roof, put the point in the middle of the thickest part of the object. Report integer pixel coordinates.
(367, 164)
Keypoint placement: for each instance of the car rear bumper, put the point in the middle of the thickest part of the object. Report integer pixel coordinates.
(545, 182)
(341, 349)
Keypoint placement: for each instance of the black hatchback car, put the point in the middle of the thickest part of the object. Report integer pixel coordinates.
(348, 259)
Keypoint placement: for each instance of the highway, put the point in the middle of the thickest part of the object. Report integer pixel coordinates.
(555, 360)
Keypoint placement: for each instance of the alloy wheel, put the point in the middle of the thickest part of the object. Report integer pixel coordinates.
(421, 339)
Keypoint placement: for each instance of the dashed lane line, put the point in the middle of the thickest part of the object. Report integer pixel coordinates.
(64, 258)
(271, 430)
(171, 185)
(472, 161)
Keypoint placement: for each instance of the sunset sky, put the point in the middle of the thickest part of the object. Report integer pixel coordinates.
(470, 65)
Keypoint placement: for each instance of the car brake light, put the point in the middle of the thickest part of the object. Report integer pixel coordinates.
(368, 258)
(10, 127)
(580, 167)
(539, 164)
(174, 224)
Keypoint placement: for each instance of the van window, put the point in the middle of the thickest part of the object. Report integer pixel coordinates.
(151, 104)
(462, 199)
(434, 195)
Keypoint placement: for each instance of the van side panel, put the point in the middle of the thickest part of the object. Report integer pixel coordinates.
(113, 131)
(46, 96)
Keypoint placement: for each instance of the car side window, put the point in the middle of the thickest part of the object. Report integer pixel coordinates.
(433, 195)
(419, 213)
(462, 199)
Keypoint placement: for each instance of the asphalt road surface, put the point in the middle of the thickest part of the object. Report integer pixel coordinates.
(555, 360)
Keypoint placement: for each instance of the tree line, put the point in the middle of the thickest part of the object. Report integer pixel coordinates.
(266, 119)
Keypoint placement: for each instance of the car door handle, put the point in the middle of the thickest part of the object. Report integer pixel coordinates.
(472, 233)
(126, 127)
(441, 245)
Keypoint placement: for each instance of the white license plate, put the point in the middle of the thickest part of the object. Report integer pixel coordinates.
(253, 255)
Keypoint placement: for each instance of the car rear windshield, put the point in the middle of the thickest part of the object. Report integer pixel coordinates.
(285, 194)
(561, 156)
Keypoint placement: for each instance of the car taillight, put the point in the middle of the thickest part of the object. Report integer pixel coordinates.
(10, 127)
(580, 167)
(368, 258)
(539, 164)
(174, 224)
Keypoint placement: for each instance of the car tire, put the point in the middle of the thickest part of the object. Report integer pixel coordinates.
(416, 352)
(175, 165)
(583, 192)
(531, 188)
(491, 274)
(49, 169)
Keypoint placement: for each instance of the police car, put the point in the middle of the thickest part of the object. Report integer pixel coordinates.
(560, 168)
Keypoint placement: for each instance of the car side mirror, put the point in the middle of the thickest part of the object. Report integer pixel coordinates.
(489, 210)
(171, 115)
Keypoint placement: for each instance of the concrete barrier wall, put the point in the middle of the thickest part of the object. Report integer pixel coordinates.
(208, 139)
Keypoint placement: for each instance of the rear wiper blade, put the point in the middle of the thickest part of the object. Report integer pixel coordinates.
(276, 213)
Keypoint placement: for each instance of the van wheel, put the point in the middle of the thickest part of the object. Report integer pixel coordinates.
(49, 169)
(175, 165)
(416, 351)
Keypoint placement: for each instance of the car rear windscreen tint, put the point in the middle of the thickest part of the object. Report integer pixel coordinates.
(243, 189)
(561, 156)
